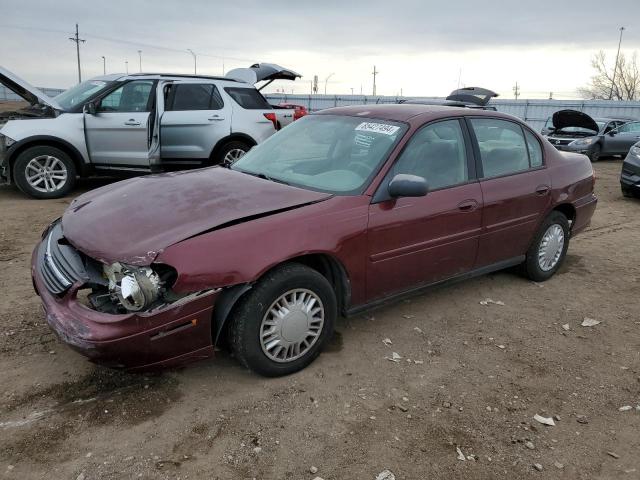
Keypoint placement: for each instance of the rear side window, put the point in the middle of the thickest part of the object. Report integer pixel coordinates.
(630, 127)
(194, 96)
(503, 149)
(248, 98)
(535, 150)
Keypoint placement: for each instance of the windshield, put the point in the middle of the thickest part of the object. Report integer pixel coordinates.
(80, 93)
(581, 129)
(328, 153)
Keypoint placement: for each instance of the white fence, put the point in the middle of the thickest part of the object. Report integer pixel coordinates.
(534, 112)
(7, 95)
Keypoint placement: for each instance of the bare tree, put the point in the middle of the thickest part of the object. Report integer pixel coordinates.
(624, 85)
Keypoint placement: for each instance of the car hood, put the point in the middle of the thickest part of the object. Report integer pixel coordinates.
(134, 220)
(27, 91)
(573, 118)
(259, 72)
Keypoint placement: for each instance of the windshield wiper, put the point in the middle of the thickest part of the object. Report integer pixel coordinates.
(264, 176)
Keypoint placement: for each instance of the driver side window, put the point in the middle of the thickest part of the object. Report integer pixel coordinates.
(437, 153)
(130, 97)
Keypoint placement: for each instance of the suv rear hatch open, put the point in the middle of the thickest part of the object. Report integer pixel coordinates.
(262, 72)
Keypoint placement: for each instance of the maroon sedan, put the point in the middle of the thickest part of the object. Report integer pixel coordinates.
(338, 213)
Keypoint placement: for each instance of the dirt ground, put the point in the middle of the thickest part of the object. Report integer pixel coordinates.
(482, 373)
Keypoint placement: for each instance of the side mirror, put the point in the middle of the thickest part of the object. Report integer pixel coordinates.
(403, 185)
(90, 108)
(612, 133)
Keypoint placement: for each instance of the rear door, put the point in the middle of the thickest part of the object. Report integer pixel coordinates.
(196, 117)
(117, 135)
(620, 140)
(515, 187)
(418, 241)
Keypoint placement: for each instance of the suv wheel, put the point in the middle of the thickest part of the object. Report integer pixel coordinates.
(594, 154)
(231, 153)
(281, 325)
(549, 248)
(44, 172)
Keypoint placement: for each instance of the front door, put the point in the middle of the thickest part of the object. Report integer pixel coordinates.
(195, 119)
(515, 188)
(118, 133)
(421, 240)
(621, 139)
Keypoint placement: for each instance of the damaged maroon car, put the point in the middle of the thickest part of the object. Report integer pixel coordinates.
(339, 212)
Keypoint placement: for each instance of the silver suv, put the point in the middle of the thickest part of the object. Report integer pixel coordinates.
(132, 124)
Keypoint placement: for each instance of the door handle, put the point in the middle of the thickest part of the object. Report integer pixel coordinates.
(132, 122)
(542, 189)
(215, 118)
(467, 205)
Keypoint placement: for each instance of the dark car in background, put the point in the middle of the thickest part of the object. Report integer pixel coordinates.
(630, 175)
(308, 225)
(574, 131)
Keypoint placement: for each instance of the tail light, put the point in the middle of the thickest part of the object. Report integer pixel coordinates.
(272, 117)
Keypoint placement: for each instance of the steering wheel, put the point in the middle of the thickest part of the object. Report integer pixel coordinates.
(360, 168)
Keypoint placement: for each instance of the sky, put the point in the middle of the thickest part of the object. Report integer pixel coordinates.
(420, 48)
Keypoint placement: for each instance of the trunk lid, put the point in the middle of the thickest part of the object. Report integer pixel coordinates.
(262, 72)
(27, 91)
(134, 220)
(573, 118)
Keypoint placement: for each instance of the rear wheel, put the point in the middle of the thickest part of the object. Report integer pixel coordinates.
(594, 155)
(549, 248)
(231, 152)
(44, 172)
(281, 325)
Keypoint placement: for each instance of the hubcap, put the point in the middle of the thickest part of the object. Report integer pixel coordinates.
(46, 173)
(292, 325)
(551, 247)
(233, 156)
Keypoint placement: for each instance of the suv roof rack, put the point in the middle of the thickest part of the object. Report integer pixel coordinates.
(182, 75)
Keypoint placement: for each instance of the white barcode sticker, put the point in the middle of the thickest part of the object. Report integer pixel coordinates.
(377, 128)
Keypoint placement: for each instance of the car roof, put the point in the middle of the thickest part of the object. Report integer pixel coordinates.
(408, 112)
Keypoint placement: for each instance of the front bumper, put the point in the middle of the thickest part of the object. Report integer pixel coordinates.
(168, 336)
(630, 174)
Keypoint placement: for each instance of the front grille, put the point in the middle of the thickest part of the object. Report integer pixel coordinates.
(59, 263)
(560, 141)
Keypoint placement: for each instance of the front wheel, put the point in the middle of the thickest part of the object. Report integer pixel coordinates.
(282, 324)
(44, 172)
(594, 155)
(548, 249)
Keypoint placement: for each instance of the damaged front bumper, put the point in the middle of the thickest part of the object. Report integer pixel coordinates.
(169, 335)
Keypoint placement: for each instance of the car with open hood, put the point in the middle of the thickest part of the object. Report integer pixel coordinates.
(342, 211)
(134, 124)
(574, 131)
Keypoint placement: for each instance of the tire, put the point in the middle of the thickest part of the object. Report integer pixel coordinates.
(532, 265)
(229, 153)
(594, 154)
(55, 171)
(627, 192)
(255, 308)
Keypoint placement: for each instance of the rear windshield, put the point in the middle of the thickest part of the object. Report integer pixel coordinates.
(248, 98)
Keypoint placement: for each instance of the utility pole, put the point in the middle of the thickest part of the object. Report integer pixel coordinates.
(351, 90)
(104, 65)
(76, 38)
(615, 69)
(126, 66)
(195, 61)
(516, 91)
(140, 59)
(550, 95)
(375, 72)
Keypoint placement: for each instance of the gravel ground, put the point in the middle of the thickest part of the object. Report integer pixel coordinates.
(477, 376)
